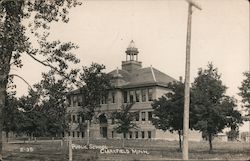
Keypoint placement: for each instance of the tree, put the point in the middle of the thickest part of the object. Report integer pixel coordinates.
(42, 112)
(96, 86)
(52, 95)
(10, 114)
(233, 134)
(14, 42)
(124, 120)
(32, 123)
(245, 91)
(168, 110)
(213, 109)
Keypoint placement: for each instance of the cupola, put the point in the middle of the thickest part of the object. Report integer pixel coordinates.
(131, 62)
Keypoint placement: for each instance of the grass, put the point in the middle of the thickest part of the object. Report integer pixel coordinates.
(159, 150)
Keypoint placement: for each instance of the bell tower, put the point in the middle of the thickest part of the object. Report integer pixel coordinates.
(131, 62)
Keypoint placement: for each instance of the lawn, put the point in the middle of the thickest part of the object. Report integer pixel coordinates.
(52, 150)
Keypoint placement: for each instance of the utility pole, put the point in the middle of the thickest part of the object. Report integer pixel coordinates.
(249, 72)
(187, 81)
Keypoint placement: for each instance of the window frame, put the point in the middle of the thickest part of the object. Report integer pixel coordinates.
(143, 116)
(150, 94)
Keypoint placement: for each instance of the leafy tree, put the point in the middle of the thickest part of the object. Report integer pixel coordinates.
(14, 42)
(245, 91)
(168, 110)
(32, 123)
(10, 114)
(42, 112)
(96, 86)
(52, 96)
(213, 109)
(124, 120)
(233, 134)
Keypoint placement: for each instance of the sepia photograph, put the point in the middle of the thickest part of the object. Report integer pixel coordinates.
(124, 80)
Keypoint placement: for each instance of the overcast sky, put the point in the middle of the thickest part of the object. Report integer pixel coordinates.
(103, 30)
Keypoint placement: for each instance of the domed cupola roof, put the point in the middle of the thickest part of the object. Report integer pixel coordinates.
(132, 49)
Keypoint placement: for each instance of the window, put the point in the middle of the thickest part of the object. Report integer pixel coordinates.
(150, 116)
(112, 121)
(137, 95)
(149, 135)
(113, 97)
(78, 119)
(69, 118)
(75, 100)
(74, 119)
(143, 116)
(143, 95)
(79, 100)
(136, 134)
(130, 135)
(83, 134)
(73, 134)
(78, 134)
(142, 134)
(68, 133)
(137, 116)
(112, 134)
(69, 101)
(124, 135)
(104, 99)
(150, 94)
(131, 96)
(125, 96)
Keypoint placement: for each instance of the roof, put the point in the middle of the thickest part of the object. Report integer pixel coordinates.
(131, 45)
(143, 77)
(132, 48)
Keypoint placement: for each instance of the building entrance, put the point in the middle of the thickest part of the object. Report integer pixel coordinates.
(103, 126)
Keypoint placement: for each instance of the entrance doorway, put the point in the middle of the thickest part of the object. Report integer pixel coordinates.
(103, 126)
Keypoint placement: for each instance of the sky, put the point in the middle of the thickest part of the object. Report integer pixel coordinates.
(103, 30)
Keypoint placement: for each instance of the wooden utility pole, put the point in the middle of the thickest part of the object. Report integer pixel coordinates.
(187, 82)
(249, 72)
(70, 149)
